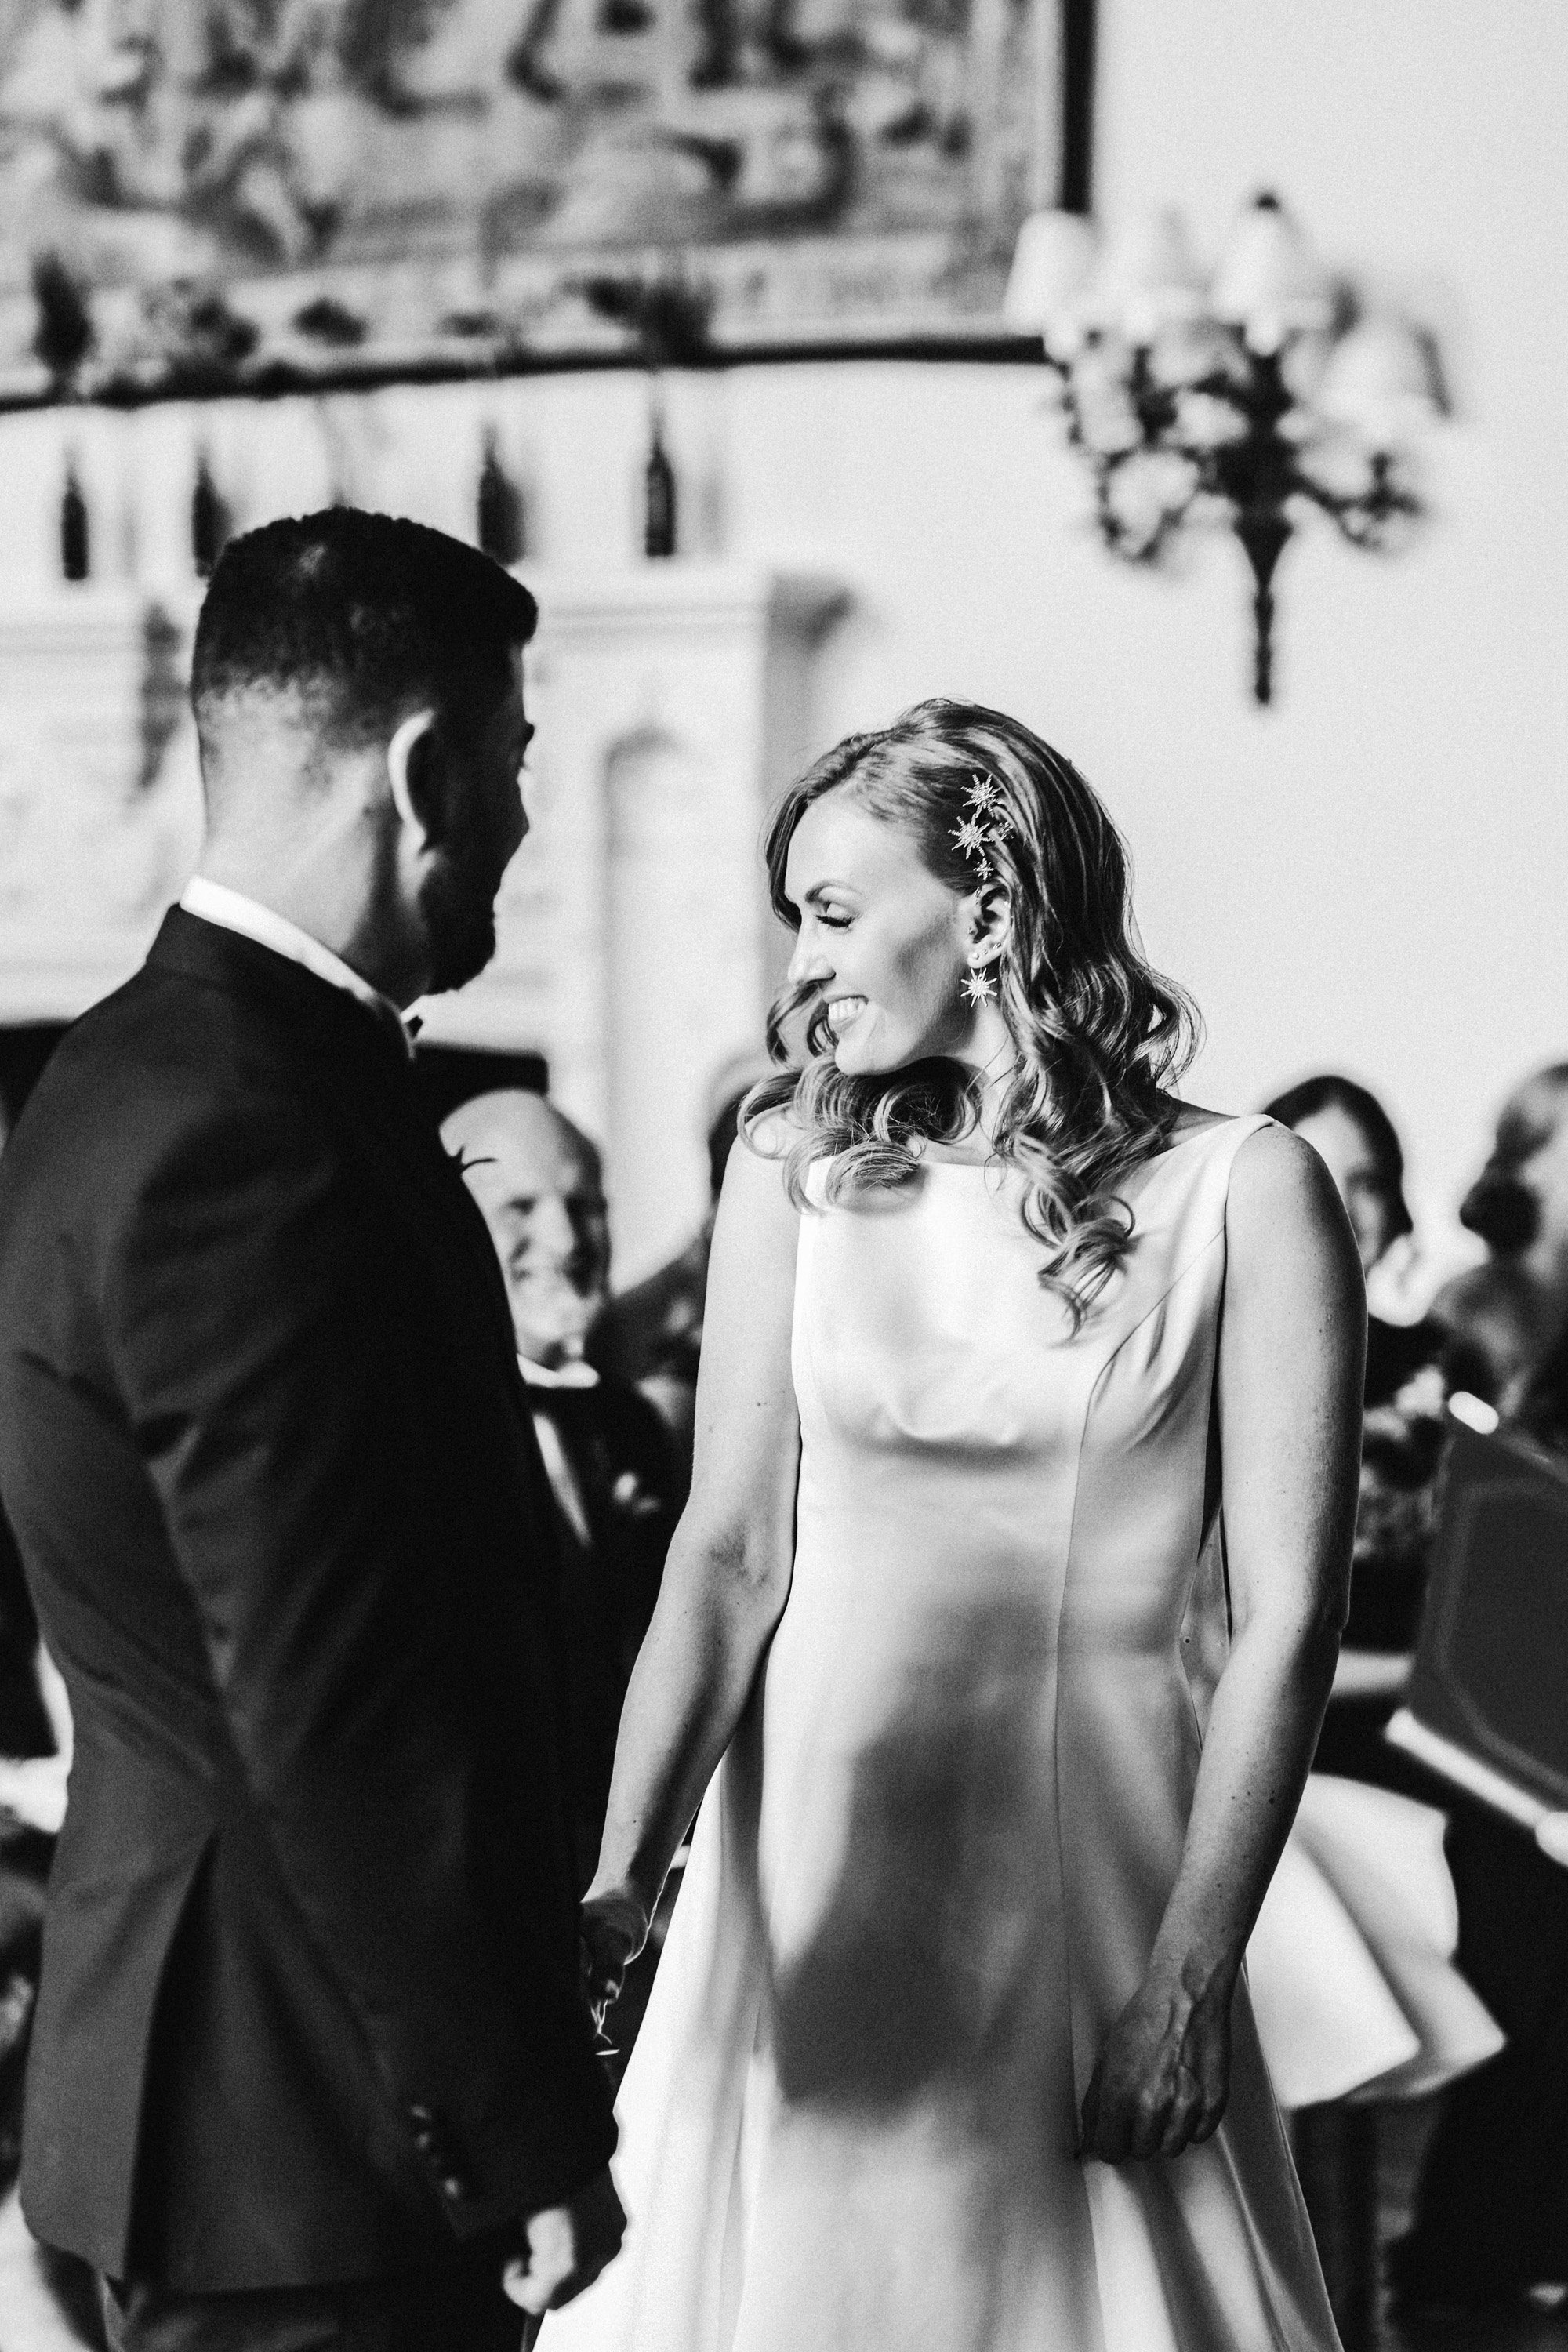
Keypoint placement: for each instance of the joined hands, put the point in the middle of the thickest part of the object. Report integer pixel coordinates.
(612, 1930)
(568, 2245)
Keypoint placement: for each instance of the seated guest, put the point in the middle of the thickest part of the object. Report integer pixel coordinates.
(537, 1181)
(652, 1334)
(1402, 1432)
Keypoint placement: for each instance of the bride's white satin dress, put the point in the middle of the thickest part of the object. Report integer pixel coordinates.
(928, 1875)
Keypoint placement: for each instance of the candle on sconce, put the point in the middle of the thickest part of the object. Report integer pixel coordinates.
(1269, 282)
(1381, 380)
(1150, 280)
(1249, 398)
(1052, 266)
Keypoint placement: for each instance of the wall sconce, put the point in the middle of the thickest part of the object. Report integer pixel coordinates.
(1243, 396)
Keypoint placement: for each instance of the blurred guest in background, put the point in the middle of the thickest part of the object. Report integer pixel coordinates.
(652, 1334)
(1353, 1134)
(1492, 2213)
(1541, 1414)
(610, 1459)
(1403, 1428)
(1506, 1316)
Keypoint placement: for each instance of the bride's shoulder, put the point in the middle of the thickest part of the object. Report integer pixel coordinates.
(1272, 1175)
(762, 1169)
(758, 1220)
(1258, 1138)
(1280, 1190)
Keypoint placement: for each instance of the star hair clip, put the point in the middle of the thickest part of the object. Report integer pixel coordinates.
(985, 824)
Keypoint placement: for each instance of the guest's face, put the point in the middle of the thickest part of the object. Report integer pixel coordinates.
(457, 894)
(882, 940)
(542, 1201)
(1520, 1200)
(1339, 1141)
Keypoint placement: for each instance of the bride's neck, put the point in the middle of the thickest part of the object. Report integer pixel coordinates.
(991, 1059)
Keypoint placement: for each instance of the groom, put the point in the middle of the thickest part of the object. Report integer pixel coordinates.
(311, 2066)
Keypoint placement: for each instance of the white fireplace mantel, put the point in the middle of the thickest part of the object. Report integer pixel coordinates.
(636, 951)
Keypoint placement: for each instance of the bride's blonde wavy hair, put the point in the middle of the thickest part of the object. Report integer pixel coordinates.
(1098, 1035)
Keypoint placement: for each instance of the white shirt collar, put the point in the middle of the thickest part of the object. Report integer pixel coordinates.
(214, 902)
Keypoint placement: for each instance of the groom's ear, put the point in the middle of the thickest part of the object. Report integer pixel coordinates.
(420, 775)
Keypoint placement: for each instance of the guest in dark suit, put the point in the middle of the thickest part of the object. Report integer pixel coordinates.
(311, 2064)
(611, 1461)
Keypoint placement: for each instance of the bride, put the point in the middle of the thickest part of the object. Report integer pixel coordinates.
(949, 2043)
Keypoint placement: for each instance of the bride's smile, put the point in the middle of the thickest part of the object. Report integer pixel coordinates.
(885, 943)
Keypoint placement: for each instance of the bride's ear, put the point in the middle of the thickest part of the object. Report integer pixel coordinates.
(990, 923)
(416, 772)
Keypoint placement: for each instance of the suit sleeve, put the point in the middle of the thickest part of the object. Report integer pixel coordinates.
(267, 1342)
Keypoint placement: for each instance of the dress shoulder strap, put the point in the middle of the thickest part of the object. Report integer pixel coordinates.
(1180, 1195)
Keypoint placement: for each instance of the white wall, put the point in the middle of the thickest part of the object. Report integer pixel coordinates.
(1369, 876)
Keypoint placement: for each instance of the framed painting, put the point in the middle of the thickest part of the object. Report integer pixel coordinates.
(237, 190)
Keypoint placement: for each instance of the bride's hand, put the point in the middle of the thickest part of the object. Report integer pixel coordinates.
(612, 1930)
(1163, 2075)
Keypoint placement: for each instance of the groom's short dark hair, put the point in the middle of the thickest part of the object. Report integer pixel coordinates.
(357, 612)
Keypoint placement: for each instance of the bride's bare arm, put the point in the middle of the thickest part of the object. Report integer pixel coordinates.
(727, 1573)
(1293, 1340)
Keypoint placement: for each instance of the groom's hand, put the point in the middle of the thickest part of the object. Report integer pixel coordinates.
(568, 2246)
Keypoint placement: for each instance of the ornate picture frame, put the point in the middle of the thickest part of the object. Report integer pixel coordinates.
(234, 193)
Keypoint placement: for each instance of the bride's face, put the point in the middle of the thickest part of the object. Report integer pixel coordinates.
(882, 940)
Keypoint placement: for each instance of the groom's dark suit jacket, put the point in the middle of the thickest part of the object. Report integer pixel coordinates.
(309, 2007)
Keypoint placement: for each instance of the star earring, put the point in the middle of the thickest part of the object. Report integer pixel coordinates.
(978, 986)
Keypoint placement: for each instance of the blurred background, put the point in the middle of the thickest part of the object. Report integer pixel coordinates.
(808, 359)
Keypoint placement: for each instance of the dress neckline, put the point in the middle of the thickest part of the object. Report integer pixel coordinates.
(1170, 1151)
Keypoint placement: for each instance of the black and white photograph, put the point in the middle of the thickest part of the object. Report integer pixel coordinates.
(784, 1176)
